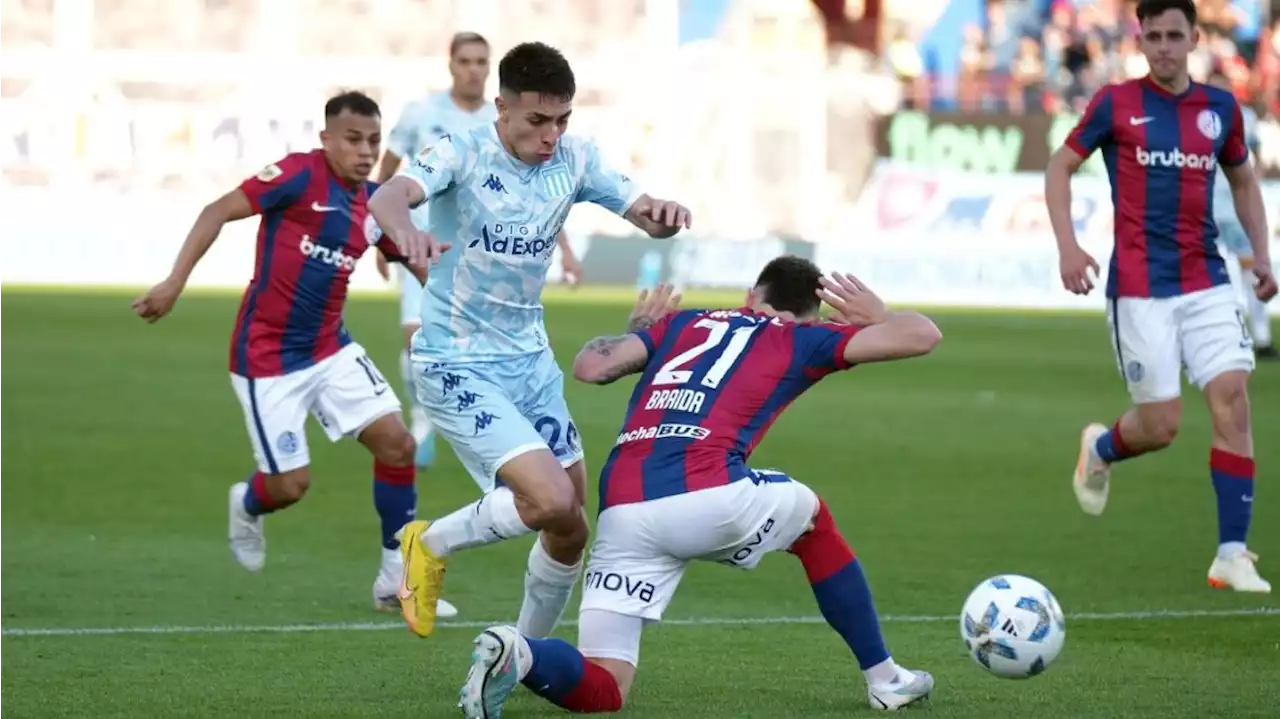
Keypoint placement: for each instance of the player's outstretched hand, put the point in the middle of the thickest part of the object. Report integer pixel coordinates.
(422, 248)
(1265, 287)
(158, 300)
(651, 307)
(1074, 265)
(853, 303)
(669, 213)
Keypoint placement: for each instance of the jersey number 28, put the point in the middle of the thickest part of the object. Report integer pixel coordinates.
(671, 372)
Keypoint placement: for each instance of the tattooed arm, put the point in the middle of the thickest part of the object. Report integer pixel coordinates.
(604, 360)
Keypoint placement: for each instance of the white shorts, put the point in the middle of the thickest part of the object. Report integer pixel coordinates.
(493, 412)
(1234, 239)
(1154, 338)
(641, 550)
(410, 298)
(345, 393)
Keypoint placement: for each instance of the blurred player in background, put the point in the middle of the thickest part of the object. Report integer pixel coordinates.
(677, 487)
(290, 352)
(497, 196)
(421, 125)
(1235, 239)
(1170, 303)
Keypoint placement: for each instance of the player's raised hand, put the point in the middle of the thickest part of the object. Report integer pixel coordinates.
(653, 306)
(854, 303)
(1074, 265)
(158, 301)
(669, 213)
(1265, 285)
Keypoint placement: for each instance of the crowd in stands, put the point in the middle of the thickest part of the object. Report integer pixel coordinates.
(1027, 57)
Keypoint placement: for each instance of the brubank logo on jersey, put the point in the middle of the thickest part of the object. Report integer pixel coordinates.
(337, 258)
(1176, 158)
(514, 241)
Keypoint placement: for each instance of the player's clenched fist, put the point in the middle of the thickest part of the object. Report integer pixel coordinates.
(853, 302)
(1074, 265)
(158, 300)
(1265, 286)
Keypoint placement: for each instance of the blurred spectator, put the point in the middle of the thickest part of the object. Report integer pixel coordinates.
(1052, 55)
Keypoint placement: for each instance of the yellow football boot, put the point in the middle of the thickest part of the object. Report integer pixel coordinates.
(422, 582)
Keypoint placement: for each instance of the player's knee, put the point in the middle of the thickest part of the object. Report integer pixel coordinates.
(398, 451)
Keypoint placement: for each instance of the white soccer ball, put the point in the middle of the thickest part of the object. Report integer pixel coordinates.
(1013, 626)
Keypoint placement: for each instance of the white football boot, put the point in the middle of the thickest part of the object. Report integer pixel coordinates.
(909, 686)
(494, 673)
(387, 584)
(1237, 571)
(244, 532)
(1092, 480)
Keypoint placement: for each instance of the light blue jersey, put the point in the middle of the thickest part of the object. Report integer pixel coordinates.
(483, 299)
(422, 123)
(1224, 208)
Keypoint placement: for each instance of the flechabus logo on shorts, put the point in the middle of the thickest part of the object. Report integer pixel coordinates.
(662, 431)
(1176, 158)
(337, 258)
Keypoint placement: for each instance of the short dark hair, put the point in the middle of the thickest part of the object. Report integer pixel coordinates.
(536, 67)
(465, 38)
(353, 101)
(790, 284)
(1151, 8)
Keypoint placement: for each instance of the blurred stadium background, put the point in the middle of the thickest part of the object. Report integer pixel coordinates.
(900, 137)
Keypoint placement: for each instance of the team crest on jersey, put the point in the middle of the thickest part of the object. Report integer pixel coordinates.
(1209, 124)
(556, 180)
(269, 173)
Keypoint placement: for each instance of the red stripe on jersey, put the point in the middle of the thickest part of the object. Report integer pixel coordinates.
(1129, 191)
(1193, 191)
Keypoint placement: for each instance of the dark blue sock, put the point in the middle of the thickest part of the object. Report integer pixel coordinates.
(396, 499)
(1233, 483)
(556, 670)
(841, 589)
(1111, 447)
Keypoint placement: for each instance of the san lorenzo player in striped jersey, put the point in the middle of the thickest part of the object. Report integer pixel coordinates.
(677, 487)
(1169, 299)
(290, 354)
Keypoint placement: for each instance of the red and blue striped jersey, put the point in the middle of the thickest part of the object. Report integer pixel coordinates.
(311, 233)
(714, 383)
(1162, 153)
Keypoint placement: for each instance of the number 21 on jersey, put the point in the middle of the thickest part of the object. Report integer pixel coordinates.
(675, 371)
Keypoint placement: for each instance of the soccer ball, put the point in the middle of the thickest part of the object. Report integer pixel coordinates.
(1012, 626)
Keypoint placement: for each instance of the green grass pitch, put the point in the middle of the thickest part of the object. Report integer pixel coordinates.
(121, 440)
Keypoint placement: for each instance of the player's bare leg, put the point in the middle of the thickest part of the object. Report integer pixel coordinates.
(252, 500)
(537, 495)
(844, 598)
(554, 560)
(1231, 466)
(419, 423)
(396, 499)
(1146, 427)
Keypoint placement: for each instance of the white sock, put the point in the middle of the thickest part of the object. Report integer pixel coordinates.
(886, 672)
(1261, 323)
(547, 587)
(493, 518)
(1227, 550)
(524, 658)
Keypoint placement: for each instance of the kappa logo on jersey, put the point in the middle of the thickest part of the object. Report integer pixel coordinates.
(512, 245)
(1176, 158)
(493, 183)
(614, 582)
(337, 258)
(663, 431)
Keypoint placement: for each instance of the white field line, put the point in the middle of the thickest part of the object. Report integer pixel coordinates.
(687, 622)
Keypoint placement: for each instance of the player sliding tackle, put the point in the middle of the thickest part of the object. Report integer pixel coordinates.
(1169, 301)
(677, 488)
(497, 196)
